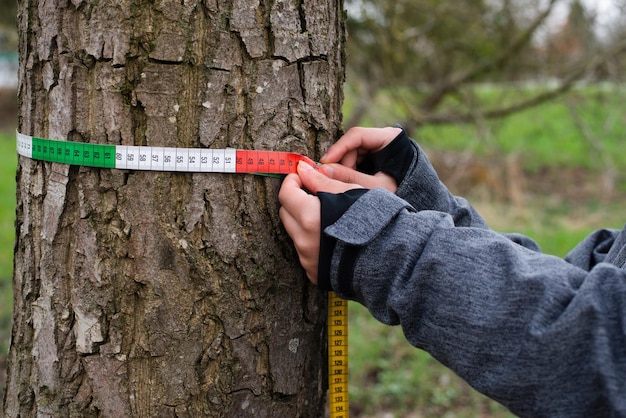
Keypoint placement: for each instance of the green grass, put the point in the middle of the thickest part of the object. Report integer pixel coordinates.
(389, 376)
(547, 135)
(8, 162)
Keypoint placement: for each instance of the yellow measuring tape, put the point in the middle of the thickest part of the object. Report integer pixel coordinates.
(338, 356)
(206, 160)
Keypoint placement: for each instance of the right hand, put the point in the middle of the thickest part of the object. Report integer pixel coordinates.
(300, 212)
(342, 157)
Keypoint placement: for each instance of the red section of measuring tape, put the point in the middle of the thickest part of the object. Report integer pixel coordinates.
(270, 162)
(292, 162)
(242, 162)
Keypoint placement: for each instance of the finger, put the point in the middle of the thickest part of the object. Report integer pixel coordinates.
(316, 182)
(291, 194)
(304, 228)
(347, 175)
(341, 152)
(307, 246)
(301, 208)
(311, 273)
(289, 222)
(292, 180)
(345, 149)
(358, 141)
(386, 181)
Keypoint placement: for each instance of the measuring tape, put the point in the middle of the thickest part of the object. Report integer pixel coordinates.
(125, 157)
(338, 356)
(205, 160)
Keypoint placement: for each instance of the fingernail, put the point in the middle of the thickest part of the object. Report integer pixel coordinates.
(304, 166)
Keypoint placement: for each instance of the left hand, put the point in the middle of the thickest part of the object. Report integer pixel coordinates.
(341, 159)
(301, 212)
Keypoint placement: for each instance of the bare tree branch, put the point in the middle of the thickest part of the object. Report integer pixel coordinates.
(453, 82)
(564, 86)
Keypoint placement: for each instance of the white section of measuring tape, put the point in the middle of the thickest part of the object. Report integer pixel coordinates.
(25, 145)
(198, 160)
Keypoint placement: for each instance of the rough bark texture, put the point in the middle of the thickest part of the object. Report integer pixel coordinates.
(168, 294)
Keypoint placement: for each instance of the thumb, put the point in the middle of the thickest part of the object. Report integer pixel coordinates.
(346, 174)
(315, 182)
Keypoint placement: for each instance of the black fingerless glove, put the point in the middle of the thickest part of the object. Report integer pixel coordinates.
(333, 206)
(395, 159)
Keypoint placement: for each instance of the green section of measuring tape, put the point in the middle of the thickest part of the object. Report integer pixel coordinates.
(74, 153)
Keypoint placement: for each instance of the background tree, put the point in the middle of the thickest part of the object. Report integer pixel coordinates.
(8, 38)
(571, 43)
(427, 56)
(8, 8)
(615, 33)
(168, 294)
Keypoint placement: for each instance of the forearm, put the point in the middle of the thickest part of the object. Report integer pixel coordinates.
(418, 182)
(423, 189)
(525, 328)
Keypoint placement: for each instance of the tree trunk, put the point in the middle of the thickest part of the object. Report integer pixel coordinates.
(158, 294)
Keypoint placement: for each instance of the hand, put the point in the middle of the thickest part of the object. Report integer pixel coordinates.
(300, 212)
(351, 148)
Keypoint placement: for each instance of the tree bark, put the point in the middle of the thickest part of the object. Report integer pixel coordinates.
(168, 294)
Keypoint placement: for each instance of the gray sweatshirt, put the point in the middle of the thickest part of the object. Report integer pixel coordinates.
(542, 335)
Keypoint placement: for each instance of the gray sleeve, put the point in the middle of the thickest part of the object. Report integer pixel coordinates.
(543, 336)
(598, 247)
(422, 189)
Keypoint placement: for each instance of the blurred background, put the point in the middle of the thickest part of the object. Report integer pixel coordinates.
(8, 160)
(521, 106)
